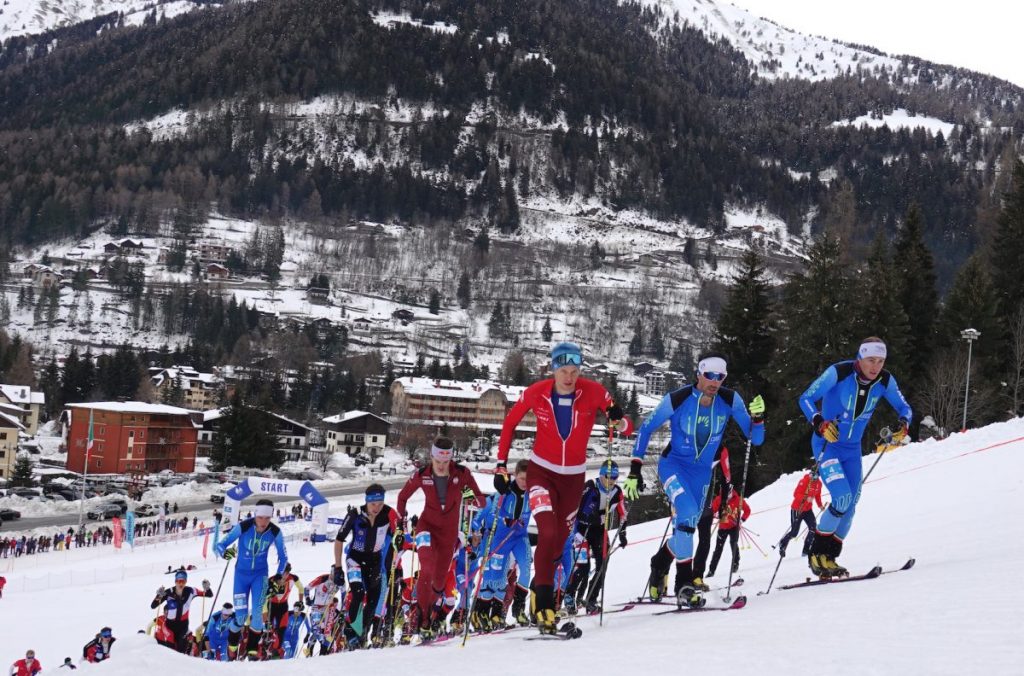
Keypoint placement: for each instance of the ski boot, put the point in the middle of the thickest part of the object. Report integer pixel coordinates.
(458, 622)
(689, 597)
(817, 563)
(519, 607)
(569, 603)
(782, 548)
(735, 567)
(657, 586)
(353, 641)
(593, 608)
(698, 584)
(497, 618)
(835, 570)
(546, 622)
(479, 619)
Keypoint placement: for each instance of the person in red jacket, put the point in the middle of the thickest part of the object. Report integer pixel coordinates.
(445, 485)
(29, 666)
(729, 521)
(808, 492)
(566, 407)
(98, 649)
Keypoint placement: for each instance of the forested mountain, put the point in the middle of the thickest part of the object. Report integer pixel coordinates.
(449, 111)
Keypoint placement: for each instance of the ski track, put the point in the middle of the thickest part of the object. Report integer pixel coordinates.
(951, 504)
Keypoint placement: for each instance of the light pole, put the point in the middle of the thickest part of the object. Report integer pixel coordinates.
(970, 335)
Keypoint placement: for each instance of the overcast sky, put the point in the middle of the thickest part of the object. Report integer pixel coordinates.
(982, 35)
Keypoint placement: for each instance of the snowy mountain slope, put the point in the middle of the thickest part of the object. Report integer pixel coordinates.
(30, 17)
(951, 504)
(773, 50)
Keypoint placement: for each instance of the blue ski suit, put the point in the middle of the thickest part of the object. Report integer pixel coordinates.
(510, 542)
(293, 631)
(217, 630)
(850, 404)
(251, 568)
(686, 464)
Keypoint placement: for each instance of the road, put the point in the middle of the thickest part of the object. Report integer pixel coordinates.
(205, 506)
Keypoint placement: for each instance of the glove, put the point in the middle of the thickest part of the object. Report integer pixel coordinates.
(756, 409)
(635, 482)
(826, 429)
(577, 540)
(338, 576)
(398, 539)
(413, 521)
(462, 538)
(229, 553)
(160, 592)
(900, 436)
(622, 537)
(501, 483)
(468, 494)
(206, 585)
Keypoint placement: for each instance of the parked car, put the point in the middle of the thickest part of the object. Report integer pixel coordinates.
(146, 510)
(119, 502)
(108, 511)
(217, 498)
(29, 493)
(9, 514)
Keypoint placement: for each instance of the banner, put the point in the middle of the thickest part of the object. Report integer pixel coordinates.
(292, 488)
(130, 529)
(206, 545)
(118, 532)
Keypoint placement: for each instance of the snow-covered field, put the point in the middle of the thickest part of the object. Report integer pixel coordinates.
(951, 504)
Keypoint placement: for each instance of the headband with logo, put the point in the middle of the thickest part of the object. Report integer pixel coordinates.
(873, 349)
(712, 365)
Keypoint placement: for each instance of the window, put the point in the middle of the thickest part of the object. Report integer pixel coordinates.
(131, 434)
(3, 454)
(3, 435)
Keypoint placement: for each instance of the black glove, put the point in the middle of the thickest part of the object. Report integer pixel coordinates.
(614, 413)
(501, 483)
(206, 585)
(413, 521)
(622, 537)
(338, 576)
(398, 539)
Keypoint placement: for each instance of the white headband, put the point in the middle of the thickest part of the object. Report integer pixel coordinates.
(871, 350)
(438, 453)
(712, 365)
(263, 510)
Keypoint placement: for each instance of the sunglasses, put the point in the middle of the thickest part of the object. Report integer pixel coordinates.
(106, 634)
(570, 358)
(711, 375)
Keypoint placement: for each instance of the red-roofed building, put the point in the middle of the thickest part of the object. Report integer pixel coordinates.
(133, 436)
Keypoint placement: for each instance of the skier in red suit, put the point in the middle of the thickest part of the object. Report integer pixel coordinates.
(566, 407)
(445, 485)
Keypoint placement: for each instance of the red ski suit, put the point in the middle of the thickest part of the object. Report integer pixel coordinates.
(437, 531)
(728, 519)
(557, 466)
(807, 492)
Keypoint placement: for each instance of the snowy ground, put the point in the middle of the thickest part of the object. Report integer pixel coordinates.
(923, 501)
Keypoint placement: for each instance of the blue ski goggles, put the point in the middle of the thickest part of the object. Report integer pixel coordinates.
(567, 359)
(712, 375)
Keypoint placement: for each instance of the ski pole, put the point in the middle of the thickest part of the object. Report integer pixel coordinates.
(607, 526)
(664, 536)
(483, 564)
(743, 490)
(217, 595)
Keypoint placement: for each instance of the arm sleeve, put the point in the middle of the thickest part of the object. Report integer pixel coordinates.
(754, 432)
(228, 539)
(620, 507)
(726, 470)
(346, 528)
(282, 554)
(484, 516)
(817, 493)
(716, 503)
(746, 510)
(656, 419)
(896, 399)
(508, 428)
(800, 492)
(298, 585)
(410, 487)
(813, 394)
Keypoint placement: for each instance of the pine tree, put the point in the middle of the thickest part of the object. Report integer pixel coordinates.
(545, 331)
(657, 344)
(596, 255)
(496, 324)
(482, 242)
(21, 475)
(881, 312)
(463, 292)
(434, 305)
(744, 333)
(636, 343)
(915, 269)
(1007, 278)
(816, 328)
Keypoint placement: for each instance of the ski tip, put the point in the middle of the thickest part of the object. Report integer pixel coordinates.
(909, 564)
(739, 602)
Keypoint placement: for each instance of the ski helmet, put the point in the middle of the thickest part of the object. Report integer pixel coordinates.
(610, 469)
(566, 354)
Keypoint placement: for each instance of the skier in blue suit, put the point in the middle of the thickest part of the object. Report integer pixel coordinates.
(217, 631)
(255, 537)
(292, 632)
(510, 545)
(848, 392)
(697, 415)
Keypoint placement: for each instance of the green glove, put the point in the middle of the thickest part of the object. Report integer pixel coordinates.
(468, 495)
(756, 408)
(229, 553)
(635, 482)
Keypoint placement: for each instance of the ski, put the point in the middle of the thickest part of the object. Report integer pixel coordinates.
(644, 600)
(623, 608)
(877, 571)
(738, 602)
(566, 632)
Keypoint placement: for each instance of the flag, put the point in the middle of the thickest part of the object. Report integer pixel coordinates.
(129, 529)
(89, 443)
(206, 545)
(118, 533)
